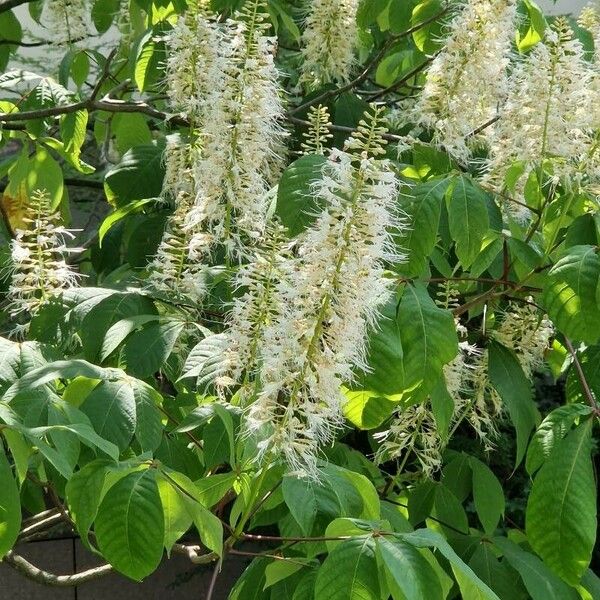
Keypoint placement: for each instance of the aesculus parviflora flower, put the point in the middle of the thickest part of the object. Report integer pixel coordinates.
(546, 122)
(468, 79)
(329, 42)
(67, 20)
(329, 295)
(242, 136)
(39, 269)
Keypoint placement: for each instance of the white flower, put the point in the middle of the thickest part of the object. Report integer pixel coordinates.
(330, 294)
(527, 333)
(67, 20)
(39, 267)
(179, 267)
(329, 42)
(413, 430)
(194, 45)
(468, 79)
(547, 118)
(241, 137)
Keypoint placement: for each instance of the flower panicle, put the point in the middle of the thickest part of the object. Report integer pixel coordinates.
(319, 133)
(528, 333)
(547, 120)
(332, 292)
(242, 137)
(329, 42)
(39, 252)
(468, 79)
(67, 20)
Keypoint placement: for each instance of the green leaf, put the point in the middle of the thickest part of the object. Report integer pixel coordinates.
(428, 337)
(208, 525)
(282, 569)
(368, 11)
(146, 351)
(98, 318)
(10, 506)
(420, 502)
(130, 525)
(537, 26)
(138, 175)
(561, 509)
(250, 586)
(570, 294)
(427, 37)
(541, 582)
(385, 375)
(148, 425)
(507, 377)
(150, 59)
(177, 516)
(349, 572)
(44, 173)
(498, 575)
(410, 571)
(468, 219)
(423, 208)
(103, 14)
(72, 131)
(366, 411)
(213, 488)
(120, 214)
(471, 586)
(301, 498)
(487, 494)
(111, 409)
(552, 429)
(62, 369)
(297, 205)
(84, 494)
(447, 509)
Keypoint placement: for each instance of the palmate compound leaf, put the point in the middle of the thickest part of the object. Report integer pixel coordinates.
(409, 346)
(129, 526)
(561, 509)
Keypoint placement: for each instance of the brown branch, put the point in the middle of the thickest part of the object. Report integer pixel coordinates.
(27, 569)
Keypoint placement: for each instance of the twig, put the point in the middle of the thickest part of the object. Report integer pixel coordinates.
(41, 524)
(106, 104)
(213, 580)
(38, 575)
(589, 395)
(403, 80)
(195, 555)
